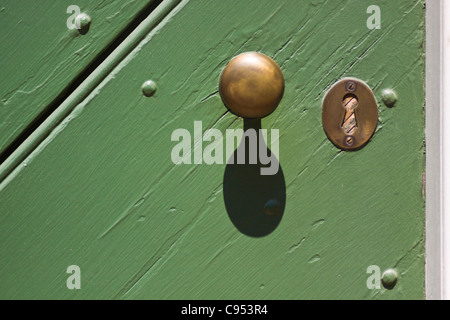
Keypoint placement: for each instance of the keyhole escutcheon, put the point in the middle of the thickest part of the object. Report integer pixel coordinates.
(349, 114)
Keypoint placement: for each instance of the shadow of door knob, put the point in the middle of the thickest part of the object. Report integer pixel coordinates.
(251, 85)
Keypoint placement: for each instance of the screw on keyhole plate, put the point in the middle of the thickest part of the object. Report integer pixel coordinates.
(350, 86)
(349, 114)
(349, 141)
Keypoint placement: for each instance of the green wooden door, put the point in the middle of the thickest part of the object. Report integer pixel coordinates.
(101, 191)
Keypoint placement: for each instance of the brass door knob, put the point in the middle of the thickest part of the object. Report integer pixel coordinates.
(251, 85)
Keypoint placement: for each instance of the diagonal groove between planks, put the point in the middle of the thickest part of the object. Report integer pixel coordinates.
(84, 84)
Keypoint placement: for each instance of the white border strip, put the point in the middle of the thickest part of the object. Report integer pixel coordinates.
(437, 271)
(434, 254)
(445, 184)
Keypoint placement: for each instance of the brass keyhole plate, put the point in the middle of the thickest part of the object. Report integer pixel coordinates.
(349, 114)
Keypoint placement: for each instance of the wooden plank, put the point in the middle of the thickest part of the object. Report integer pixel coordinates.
(83, 90)
(103, 193)
(40, 56)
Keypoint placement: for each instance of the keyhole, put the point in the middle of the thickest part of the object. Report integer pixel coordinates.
(349, 124)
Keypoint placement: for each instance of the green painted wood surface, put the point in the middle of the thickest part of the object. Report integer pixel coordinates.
(40, 56)
(102, 192)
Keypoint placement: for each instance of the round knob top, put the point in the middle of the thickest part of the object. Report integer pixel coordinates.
(251, 85)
